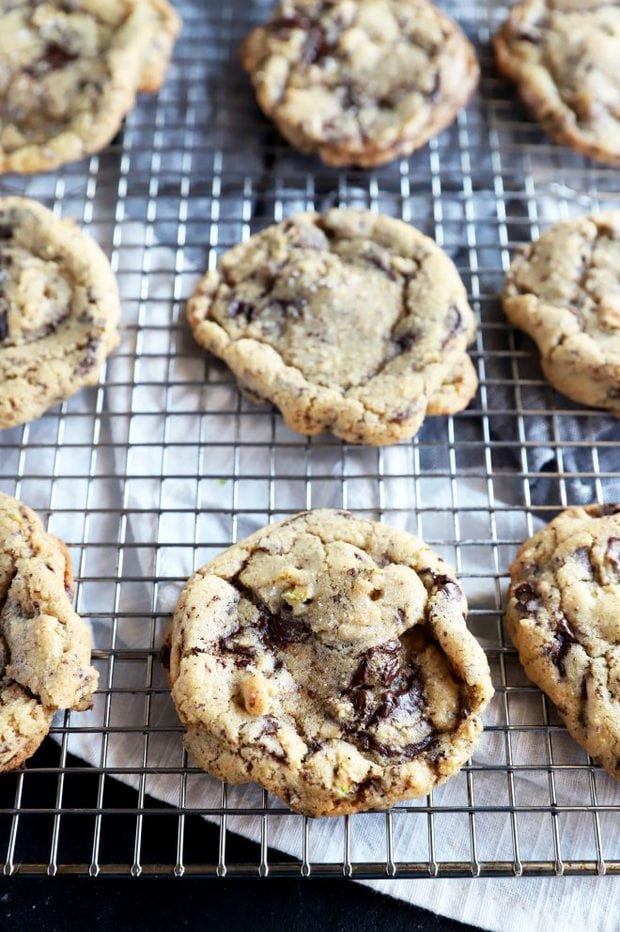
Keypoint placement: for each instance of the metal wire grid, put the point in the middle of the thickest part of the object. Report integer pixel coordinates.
(164, 464)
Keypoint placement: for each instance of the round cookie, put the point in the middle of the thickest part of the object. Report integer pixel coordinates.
(565, 58)
(360, 82)
(44, 646)
(70, 71)
(563, 619)
(59, 307)
(564, 291)
(347, 321)
(327, 658)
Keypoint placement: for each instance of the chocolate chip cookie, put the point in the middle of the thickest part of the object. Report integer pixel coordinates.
(44, 645)
(360, 82)
(347, 321)
(327, 658)
(59, 308)
(565, 58)
(563, 619)
(70, 71)
(564, 290)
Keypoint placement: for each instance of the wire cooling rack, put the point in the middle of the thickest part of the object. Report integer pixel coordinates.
(163, 464)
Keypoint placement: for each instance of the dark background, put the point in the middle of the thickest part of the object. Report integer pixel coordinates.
(74, 903)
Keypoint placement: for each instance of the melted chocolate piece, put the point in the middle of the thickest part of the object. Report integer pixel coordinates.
(237, 308)
(269, 727)
(378, 666)
(448, 586)
(55, 57)
(4, 322)
(243, 654)
(278, 631)
(564, 640)
(164, 656)
(583, 712)
(286, 23)
(612, 551)
(454, 322)
(89, 360)
(6, 231)
(604, 510)
(406, 752)
(582, 557)
(408, 340)
(527, 598)
(316, 47)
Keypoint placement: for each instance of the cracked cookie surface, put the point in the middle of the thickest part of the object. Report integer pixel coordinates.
(59, 307)
(360, 82)
(347, 321)
(563, 618)
(564, 56)
(564, 291)
(44, 645)
(327, 658)
(70, 71)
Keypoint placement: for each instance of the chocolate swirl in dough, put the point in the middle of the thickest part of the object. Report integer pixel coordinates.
(360, 82)
(327, 658)
(59, 308)
(347, 321)
(44, 645)
(70, 71)
(563, 619)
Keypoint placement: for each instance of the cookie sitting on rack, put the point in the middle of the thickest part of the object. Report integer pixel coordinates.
(565, 58)
(59, 307)
(44, 646)
(327, 658)
(347, 321)
(70, 72)
(563, 618)
(360, 82)
(564, 291)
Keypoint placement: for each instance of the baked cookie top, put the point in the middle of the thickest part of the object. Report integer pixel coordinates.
(563, 618)
(565, 57)
(564, 290)
(59, 307)
(70, 71)
(347, 321)
(360, 81)
(327, 657)
(44, 645)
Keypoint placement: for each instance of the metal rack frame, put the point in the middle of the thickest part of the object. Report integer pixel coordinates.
(164, 464)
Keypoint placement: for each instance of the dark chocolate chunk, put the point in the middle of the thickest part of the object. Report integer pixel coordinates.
(582, 557)
(283, 629)
(448, 586)
(6, 231)
(90, 358)
(612, 551)
(604, 510)
(454, 324)
(55, 56)
(406, 752)
(286, 23)
(4, 323)
(316, 47)
(269, 727)
(407, 340)
(564, 640)
(527, 597)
